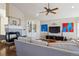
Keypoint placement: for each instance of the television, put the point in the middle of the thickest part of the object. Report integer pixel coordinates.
(55, 29)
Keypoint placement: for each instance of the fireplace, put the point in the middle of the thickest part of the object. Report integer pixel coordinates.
(10, 36)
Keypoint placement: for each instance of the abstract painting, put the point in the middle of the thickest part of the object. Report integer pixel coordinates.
(44, 27)
(68, 27)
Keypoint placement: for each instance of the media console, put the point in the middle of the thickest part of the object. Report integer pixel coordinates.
(56, 37)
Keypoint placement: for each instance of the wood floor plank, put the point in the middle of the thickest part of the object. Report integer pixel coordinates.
(7, 50)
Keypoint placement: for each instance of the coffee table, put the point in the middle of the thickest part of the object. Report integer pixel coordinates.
(50, 41)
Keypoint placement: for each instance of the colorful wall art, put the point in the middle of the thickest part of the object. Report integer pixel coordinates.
(44, 27)
(68, 27)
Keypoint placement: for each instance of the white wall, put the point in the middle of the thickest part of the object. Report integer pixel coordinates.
(3, 18)
(59, 22)
(4, 21)
(13, 11)
(35, 35)
(2, 9)
(77, 29)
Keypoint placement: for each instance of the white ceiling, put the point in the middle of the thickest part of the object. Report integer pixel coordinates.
(32, 9)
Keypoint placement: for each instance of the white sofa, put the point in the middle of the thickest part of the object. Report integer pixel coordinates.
(27, 47)
(33, 40)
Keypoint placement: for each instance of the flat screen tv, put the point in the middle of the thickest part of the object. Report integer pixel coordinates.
(55, 29)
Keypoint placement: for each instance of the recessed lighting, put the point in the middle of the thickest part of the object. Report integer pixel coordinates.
(73, 7)
(37, 14)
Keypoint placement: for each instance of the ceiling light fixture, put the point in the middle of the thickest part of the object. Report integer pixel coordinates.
(73, 7)
(37, 14)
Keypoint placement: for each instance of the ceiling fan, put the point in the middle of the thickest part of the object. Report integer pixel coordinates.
(49, 10)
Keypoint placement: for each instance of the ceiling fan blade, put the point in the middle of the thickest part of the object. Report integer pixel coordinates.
(47, 13)
(55, 9)
(53, 12)
(42, 11)
(45, 7)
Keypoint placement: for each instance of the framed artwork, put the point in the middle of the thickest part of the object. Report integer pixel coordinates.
(30, 27)
(14, 21)
(34, 28)
(44, 27)
(68, 27)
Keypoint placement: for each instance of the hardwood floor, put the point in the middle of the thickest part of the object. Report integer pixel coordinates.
(7, 50)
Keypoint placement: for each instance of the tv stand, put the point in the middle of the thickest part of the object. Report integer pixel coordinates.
(61, 38)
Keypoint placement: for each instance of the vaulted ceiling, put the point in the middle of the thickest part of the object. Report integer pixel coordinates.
(32, 10)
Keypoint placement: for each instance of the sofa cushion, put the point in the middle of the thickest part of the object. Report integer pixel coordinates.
(24, 39)
(39, 42)
(32, 40)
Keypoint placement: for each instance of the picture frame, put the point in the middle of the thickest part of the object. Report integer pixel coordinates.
(14, 21)
(68, 27)
(44, 27)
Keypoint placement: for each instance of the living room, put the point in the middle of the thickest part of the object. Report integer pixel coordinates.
(57, 19)
(42, 24)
